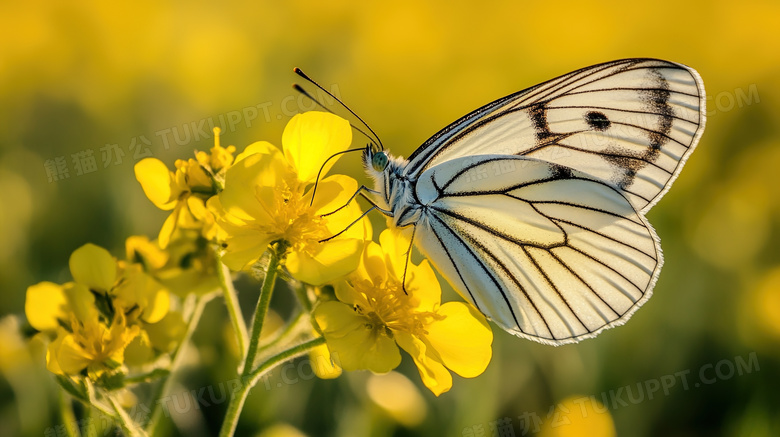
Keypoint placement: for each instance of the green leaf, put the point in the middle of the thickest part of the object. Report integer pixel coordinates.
(77, 390)
(111, 380)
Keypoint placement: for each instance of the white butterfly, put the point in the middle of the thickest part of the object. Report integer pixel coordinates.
(532, 207)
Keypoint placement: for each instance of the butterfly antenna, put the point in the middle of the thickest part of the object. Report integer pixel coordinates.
(319, 173)
(300, 73)
(305, 93)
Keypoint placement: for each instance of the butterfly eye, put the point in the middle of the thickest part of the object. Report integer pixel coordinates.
(379, 161)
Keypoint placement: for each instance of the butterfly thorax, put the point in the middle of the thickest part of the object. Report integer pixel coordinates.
(395, 191)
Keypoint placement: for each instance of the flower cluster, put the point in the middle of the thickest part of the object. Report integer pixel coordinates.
(266, 210)
(95, 317)
(187, 190)
(269, 198)
(377, 312)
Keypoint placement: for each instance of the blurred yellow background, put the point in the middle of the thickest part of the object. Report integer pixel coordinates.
(117, 83)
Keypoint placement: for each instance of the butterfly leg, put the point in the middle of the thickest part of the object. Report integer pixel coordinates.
(362, 188)
(383, 211)
(349, 226)
(406, 264)
(373, 207)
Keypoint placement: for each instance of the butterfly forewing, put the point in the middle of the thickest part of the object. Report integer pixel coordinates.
(533, 206)
(549, 253)
(631, 123)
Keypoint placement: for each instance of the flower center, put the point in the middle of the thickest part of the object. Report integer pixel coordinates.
(390, 309)
(295, 222)
(98, 341)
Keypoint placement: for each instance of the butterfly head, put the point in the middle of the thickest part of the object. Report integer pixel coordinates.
(375, 158)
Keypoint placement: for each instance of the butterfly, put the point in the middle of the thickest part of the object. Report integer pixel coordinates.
(533, 206)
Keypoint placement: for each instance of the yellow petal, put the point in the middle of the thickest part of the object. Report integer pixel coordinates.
(381, 356)
(120, 335)
(158, 305)
(432, 372)
(168, 332)
(245, 246)
(187, 219)
(71, 357)
(263, 147)
(157, 182)
(463, 339)
(239, 198)
(139, 351)
(168, 227)
(347, 294)
(197, 208)
(138, 248)
(310, 138)
(343, 224)
(398, 397)
(336, 318)
(395, 245)
(138, 289)
(422, 284)
(218, 212)
(195, 177)
(93, 267)
(353, 346)
(322, 363)
(330, 261)
(52, 363)
(372, 265)
(44, 304)
(333, 193)
(81, 302)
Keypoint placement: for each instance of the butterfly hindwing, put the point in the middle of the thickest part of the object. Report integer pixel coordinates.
(547, 252)
(632, 123)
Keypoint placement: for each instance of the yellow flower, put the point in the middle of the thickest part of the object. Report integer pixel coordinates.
(324, 365)
(167, 333)
(375, 316)
(91, 344)
(96, 272)
(140, 294)
(186, 266)
(268, 198)
(187, 190)
(95, 315)
(579, 416)
(84, 338)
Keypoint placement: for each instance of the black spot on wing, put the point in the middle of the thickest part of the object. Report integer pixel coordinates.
(560, 171)
(629, 165)
(538, 115)
(656, 101)
(597, 120)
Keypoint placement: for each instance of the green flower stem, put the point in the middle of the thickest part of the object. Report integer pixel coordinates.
(262, 308)
(289, 331)
(231, 302)
(302, 293)
(164, 388)
(147, 377)
(250, 378)
(293, 352)
(67, 416)
(87, 418)
(130, 428)
(84, 394)
(293, 327)
(93, 401)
